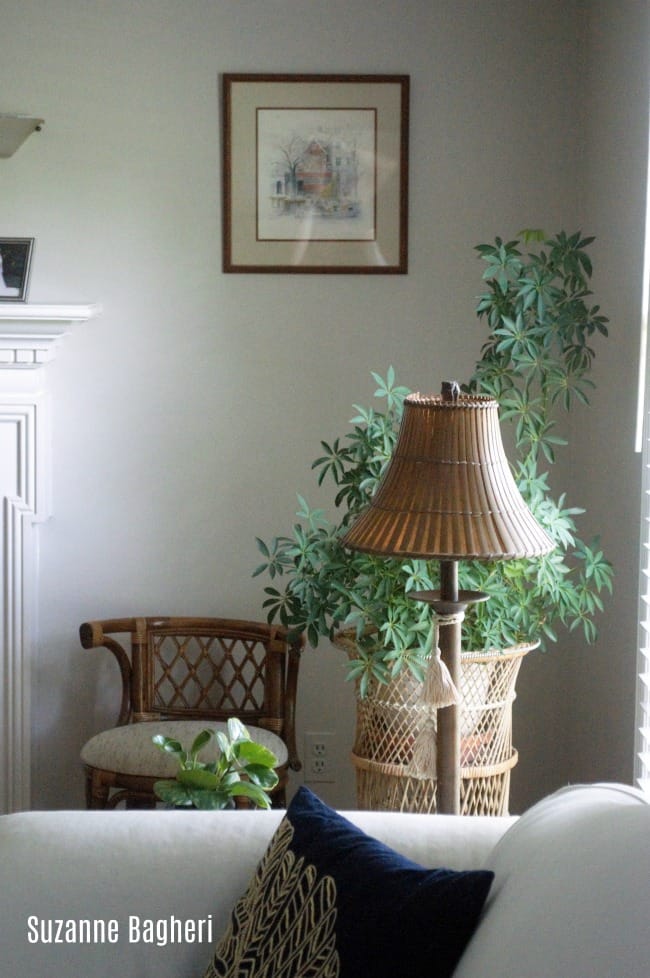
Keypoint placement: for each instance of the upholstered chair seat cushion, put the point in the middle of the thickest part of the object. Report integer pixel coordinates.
(130, 750)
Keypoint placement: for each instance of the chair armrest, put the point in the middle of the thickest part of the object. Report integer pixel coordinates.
(92, 635)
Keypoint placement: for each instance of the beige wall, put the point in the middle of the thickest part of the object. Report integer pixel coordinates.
(186, 417)
(602, 680)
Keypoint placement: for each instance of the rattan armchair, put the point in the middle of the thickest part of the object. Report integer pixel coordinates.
(180, 675)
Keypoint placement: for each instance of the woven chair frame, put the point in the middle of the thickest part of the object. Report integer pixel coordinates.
(195, 674)
(208, 669)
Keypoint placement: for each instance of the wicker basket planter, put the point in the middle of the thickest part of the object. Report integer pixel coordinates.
(389, 719)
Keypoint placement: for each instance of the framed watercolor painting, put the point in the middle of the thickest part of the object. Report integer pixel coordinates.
(315, 173)
(15, 258)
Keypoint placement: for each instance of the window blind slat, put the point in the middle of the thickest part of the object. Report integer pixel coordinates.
(642, 765)
(642, 442)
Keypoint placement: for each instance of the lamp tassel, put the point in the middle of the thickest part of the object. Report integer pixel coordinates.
(439, 690)
(425, 750)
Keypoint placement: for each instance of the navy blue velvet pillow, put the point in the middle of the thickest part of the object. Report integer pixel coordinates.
(328, 901)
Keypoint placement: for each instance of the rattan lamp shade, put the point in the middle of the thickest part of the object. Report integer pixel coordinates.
(448, 492)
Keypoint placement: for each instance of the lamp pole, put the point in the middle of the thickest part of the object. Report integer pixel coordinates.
(449, 603)
(448, 756)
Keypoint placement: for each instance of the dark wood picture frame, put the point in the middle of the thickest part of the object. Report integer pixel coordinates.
(315, 173)
(15, 261)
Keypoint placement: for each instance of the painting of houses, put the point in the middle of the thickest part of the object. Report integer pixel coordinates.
(316, 179)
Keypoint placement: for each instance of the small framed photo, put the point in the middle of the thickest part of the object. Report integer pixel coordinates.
(15, 259)
(315, 173)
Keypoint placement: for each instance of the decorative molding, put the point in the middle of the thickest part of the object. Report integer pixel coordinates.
(18, 612)
(29, 336)
(21, 453)
(30, 333)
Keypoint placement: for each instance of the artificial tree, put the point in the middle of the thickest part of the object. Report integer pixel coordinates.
(535, 362)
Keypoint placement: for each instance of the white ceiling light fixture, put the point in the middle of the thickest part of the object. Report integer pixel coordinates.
(14, 130)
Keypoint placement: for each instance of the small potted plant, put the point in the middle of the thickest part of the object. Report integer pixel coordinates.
(535, 363)
(242, 769)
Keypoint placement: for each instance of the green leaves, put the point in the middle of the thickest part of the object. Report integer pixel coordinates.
(535, 363)
(388, 389)
(540, 323)
(369, 664)
(242, 768)
(325, 585)
(503, 262)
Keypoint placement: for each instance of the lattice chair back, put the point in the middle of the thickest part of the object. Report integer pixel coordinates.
(179, 676)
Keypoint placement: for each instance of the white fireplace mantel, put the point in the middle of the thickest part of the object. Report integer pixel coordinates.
(29, 337)
(30, 333)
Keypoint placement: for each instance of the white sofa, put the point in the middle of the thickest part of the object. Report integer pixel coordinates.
(570, 897)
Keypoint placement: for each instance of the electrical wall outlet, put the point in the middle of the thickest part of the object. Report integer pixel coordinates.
(319, 757)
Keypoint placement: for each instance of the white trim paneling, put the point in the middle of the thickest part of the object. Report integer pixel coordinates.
(29, 336)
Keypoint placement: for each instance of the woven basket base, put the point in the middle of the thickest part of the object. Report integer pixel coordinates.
(389, 788)
(390, 717)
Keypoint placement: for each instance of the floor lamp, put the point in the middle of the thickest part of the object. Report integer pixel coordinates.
(448, 494)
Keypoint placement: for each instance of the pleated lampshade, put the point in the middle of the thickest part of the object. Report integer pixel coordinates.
(448, 492)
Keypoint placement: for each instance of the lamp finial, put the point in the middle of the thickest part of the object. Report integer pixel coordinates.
(450, 390)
